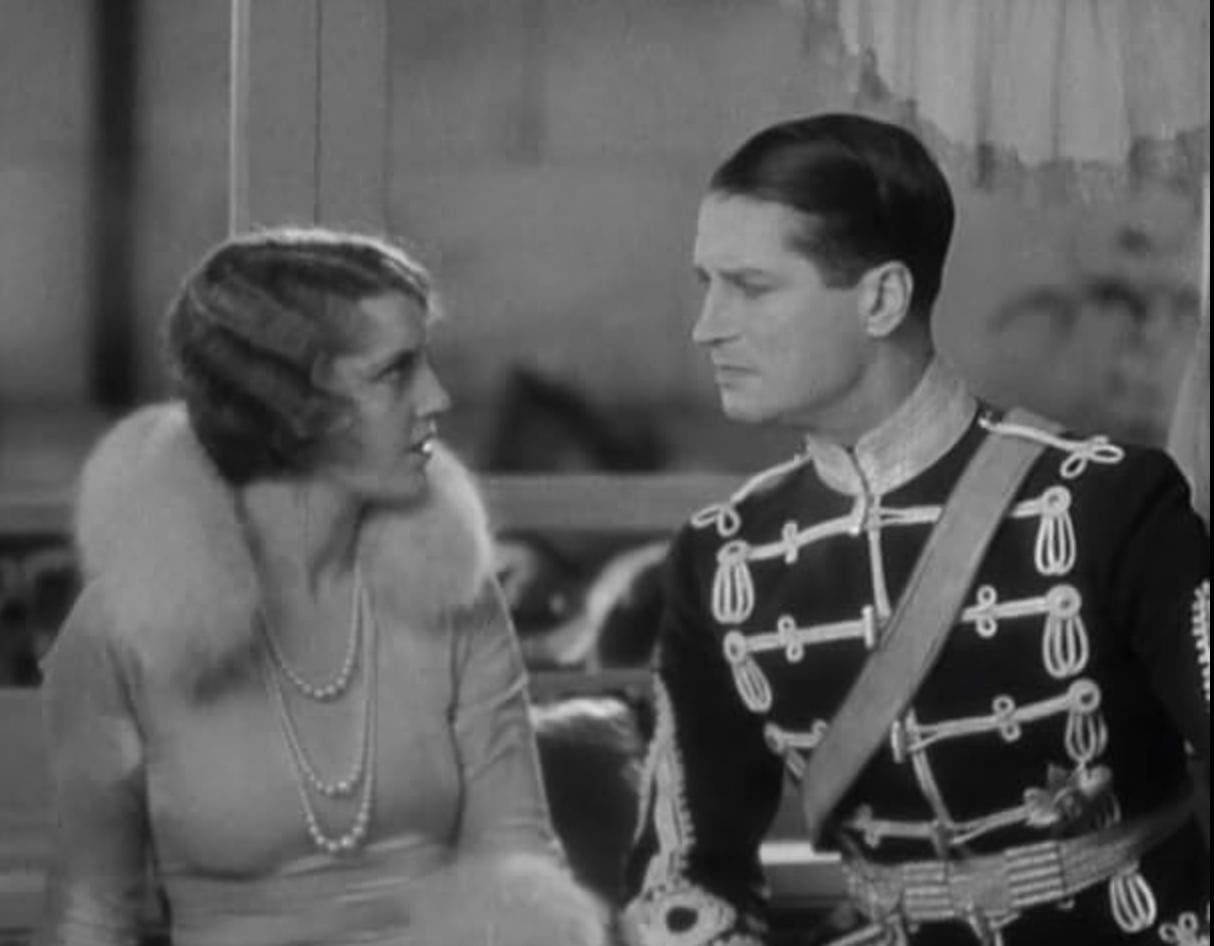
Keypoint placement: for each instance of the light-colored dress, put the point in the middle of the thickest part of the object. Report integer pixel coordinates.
(193, 785)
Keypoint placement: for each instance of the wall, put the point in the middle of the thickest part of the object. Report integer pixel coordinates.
(45, 115)
(547, 159)
(1103, 370)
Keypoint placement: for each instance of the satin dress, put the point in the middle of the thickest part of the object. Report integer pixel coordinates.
(196, 797)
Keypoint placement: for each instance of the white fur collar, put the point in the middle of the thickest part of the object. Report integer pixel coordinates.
(159, 536)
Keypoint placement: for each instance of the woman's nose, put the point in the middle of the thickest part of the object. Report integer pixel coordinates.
(433, 398)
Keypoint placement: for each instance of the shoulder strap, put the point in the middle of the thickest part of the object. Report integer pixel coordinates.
(916, 631)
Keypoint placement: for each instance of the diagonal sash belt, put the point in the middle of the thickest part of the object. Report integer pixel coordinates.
(917, 630)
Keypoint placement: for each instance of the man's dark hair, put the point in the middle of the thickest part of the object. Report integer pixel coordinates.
(868, 193)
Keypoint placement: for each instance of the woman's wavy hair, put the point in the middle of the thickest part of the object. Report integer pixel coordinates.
(255, 327)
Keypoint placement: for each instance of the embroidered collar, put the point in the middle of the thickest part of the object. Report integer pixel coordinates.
(921, 431)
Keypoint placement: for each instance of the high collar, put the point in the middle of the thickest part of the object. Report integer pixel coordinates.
(921, 431)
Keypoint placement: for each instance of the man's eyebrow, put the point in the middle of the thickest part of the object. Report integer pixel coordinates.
(735, 273)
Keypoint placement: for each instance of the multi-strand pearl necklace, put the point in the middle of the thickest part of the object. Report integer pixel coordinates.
(323, 692)
(362, 772)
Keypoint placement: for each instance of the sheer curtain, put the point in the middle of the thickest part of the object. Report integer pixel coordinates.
(1079, 95)
(1075, 100)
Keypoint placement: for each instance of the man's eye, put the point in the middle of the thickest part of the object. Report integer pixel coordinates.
(753, 290)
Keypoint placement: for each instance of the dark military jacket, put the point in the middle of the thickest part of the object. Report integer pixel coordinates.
(1072, 693)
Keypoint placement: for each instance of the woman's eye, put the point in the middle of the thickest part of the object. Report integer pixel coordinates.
(397, 371)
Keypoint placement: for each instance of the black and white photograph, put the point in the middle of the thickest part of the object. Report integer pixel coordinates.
(604, 473)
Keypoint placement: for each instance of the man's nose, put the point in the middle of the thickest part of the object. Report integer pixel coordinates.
(715, 323)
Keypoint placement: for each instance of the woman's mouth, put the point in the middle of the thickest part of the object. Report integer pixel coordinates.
(424, 447)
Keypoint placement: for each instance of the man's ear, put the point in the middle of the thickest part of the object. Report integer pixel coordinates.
(885, 298)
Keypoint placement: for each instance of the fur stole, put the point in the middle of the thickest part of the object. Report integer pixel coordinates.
(507, 900)
(160, 539)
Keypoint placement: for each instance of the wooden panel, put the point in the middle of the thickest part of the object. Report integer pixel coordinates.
(551, 685)
(603, 503)
(31, 513)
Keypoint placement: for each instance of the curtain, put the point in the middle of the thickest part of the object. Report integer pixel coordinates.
(1049, 99)
(1082, 96)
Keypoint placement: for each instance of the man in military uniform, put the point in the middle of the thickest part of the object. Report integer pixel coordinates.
(1035, 787)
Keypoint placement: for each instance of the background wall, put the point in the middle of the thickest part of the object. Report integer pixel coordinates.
(549, 159)
(547, 156)
(181, 141)
(45, 154)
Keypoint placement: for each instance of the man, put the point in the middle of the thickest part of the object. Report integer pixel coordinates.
(1034, 786)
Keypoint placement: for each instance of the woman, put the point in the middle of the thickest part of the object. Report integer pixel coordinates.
(289, 692)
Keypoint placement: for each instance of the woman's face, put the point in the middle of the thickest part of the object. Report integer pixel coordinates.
(396, 401)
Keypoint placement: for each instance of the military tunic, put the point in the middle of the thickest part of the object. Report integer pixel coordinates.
(1071, 695)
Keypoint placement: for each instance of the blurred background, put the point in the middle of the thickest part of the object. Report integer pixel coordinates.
(545, 158)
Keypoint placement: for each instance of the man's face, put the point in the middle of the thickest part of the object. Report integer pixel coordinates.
(784, 347)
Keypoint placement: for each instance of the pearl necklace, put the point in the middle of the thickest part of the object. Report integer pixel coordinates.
(324, 692)
(363, 772)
